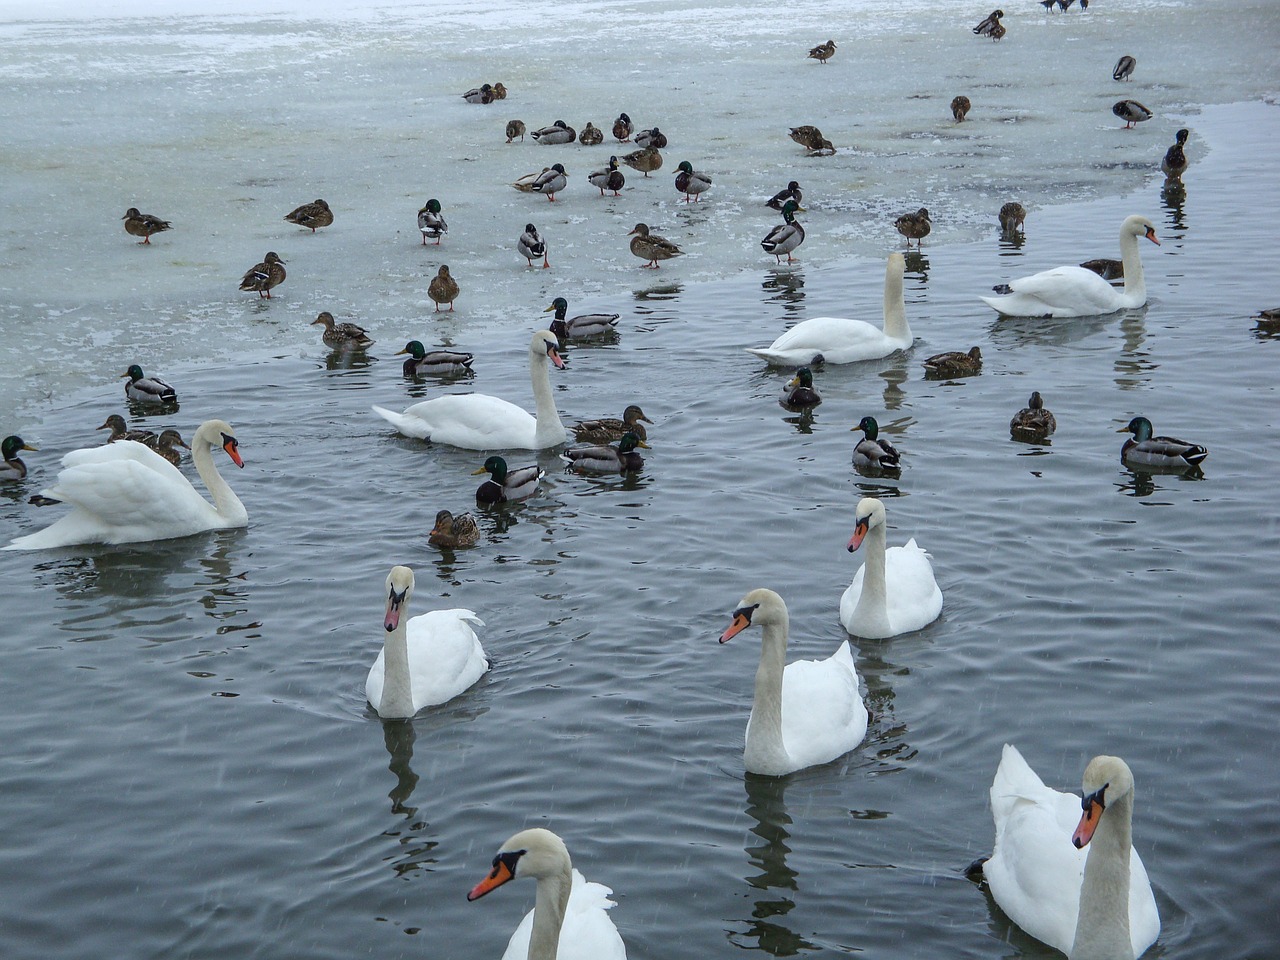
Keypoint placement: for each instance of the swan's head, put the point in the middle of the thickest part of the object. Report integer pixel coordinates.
(870, 429)
(870, 513)
(530, 853)
(1106, 779)
(545, 346)
(1140, 227)
(218, 433)
(399, 590)
(759, 606)
(1140, 427)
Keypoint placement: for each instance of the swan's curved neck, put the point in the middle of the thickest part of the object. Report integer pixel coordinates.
(549, 907)
(550, 431)
(1135, 282)
(397, 684)
(765, 749)
(873, 603)
(1102, 925)
(225, 501)
(895, 308)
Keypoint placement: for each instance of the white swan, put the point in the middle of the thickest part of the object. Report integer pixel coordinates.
(893, 591)
(804, 713)
(424, 661)
(477, 421)
(1092, 903)
(843, 340)
(1077, 292)
(124, 492)
(568, 920)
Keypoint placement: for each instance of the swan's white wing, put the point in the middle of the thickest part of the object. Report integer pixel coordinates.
(587, 934)
(837, 339)
(473, 421)
(1060, 292)
(822, 712)
(122, 492)
(914, 599)
(445, 656)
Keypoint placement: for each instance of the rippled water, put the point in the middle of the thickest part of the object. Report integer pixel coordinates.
(192, 770)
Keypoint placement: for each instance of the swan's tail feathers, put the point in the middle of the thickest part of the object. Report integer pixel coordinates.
(408, 425)
(788, 359)
(912, 545)
(467, 616)
(1013, 778)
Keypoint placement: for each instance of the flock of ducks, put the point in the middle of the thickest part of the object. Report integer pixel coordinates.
(1094, 906)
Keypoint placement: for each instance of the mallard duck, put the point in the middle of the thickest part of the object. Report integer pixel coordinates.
(989, 23)
(1269, 316)
(590, 135)
(799, 391)
(499, 91)
(787, 235)
(1047, 4)
(451, 531)
(608, 178)
(443, 288)
(646, 160)
(165, 444)
(653, 137)
(120, 431)
(953, 364)
(1175, 160)
(515, 128)
(790, 192)
(438, 363)
(1072, 291)
(873, 452)
(584, 325)
(525, 184)
(350, 336)
(998, 32)
(602, 458)
(651, 247)
(1013, 216)
(1033, 422)
(823, 51)
(1106, 268)
(431, 223)
(311, 215)
(264, 276)
(608, 429)
(503, 485)
(1142, 447)
(13, 468)
(531, 246)
(960, 108)
(623, 128)
(914, 226)
(480, 94)
(691, 184)
(808, 136)
(147, 389)
(1131, 112)
(1124, 68)
(551, 181)
(143, 224)
(558, 132)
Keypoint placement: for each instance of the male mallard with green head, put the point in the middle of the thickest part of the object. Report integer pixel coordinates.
(13, 467)
(873, 452)
(799, 391)
(435, 362)
(691, 183)
(1174, 163)
(602, 458)
(1131, 112)
(558, 132)
(583, 325)
(1144, 448)
(143, 389)
(531, 246)
(786, 236)
(623, 128)
(551, 181)
(431, 222)
(608, 178)
(506, 486)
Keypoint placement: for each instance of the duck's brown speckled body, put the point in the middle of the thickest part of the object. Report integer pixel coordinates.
(1033, 422)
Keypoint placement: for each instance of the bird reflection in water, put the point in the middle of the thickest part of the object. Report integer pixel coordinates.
(894, 377)
(766, 805)
(917, 266)
(1134, 367)
(416, 850)
(1142, 483)
(1174, 197)
(785, 287)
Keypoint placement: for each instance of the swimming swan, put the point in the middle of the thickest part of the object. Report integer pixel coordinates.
(1091, 902)
(124, 492)
(1077, 292)
(804, 713)
(843, 340)
(477, 421)
(564, 904)
(424, 661)
(893, 591)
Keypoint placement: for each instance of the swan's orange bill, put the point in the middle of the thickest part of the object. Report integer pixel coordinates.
(740, 622)
(859, 534)
(499, 875)
(555, 357)
(1151, 235)
(1093, 807)
(233, 450)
